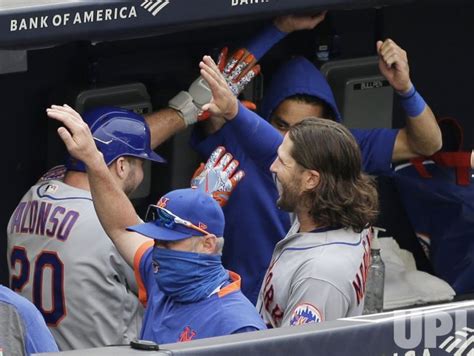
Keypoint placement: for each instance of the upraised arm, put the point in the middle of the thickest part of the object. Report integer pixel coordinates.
(164, 124)
(279, 29)
(421, 136)
(259, 139)
(253, 51)
(114, 209)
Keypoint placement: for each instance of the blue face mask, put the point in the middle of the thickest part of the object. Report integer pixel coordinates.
(187, 276)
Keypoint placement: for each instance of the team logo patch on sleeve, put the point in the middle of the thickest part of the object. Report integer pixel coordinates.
(304, 314)
(187, 334)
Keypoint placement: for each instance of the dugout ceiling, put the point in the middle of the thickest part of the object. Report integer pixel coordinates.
(39, 23)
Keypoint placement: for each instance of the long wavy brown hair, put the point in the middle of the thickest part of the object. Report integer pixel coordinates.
(345, 196)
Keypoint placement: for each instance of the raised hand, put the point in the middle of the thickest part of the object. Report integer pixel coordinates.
(219, 176)
(238, 71)
(223, 102)
(75, 134)
(393, 64)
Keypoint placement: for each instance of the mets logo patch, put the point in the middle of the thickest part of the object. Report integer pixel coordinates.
(163, 202)
(305, 313)
(187, 334)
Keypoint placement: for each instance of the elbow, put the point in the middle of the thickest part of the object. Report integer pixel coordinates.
(438, 146)
(436, 143)
(432, 146)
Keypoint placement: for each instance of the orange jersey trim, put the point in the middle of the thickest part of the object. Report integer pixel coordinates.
(144, 247)
(234, 286)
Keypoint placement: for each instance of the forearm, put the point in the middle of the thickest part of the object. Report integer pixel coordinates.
(421, 135)
(164, 124)
(259, 139)
(114, 209)
(424, 134)
(265, 40)
(281, 27)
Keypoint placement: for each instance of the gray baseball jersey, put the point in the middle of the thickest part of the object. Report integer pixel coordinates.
(61, 259)
(315, 277)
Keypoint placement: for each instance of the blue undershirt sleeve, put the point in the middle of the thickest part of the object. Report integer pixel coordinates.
(256, 136)
(376, 146)
(266, 39)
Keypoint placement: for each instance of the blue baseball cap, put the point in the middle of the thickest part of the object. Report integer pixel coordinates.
(191, 204)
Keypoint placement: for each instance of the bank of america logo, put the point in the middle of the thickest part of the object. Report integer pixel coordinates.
(154, 6)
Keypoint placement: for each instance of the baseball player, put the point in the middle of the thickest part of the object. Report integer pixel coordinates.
(298, 90)
(60, 257)
(318, 271)
(188, 292)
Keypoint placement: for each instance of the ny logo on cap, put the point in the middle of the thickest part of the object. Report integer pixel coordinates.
(162, 202)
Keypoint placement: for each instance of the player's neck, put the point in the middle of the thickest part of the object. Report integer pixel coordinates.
(77, 180)
(307, 222)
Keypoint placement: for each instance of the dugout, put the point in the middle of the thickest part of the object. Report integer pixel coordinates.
(52, 50)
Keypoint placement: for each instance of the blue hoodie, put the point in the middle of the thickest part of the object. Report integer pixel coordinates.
(254, 224)
(297, 76)
(300, 76)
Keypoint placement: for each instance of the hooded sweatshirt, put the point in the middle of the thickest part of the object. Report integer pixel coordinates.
(254, 224)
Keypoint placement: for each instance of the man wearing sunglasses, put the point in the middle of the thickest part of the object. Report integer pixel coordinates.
(189, 294)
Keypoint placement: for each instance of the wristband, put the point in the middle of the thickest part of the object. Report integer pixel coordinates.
(412, 102)
(265, 40)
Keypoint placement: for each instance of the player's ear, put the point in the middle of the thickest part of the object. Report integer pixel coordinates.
(121, 167)
(311, 179)
(209, 243)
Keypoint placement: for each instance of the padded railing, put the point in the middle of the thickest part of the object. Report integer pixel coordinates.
(36, 23)
(446, 329)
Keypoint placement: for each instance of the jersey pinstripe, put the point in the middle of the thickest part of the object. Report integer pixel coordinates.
(315, 277)
(61, 259)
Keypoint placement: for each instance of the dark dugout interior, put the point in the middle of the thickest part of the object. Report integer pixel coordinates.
(436, 34)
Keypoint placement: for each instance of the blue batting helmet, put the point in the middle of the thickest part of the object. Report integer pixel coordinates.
(117, 132)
